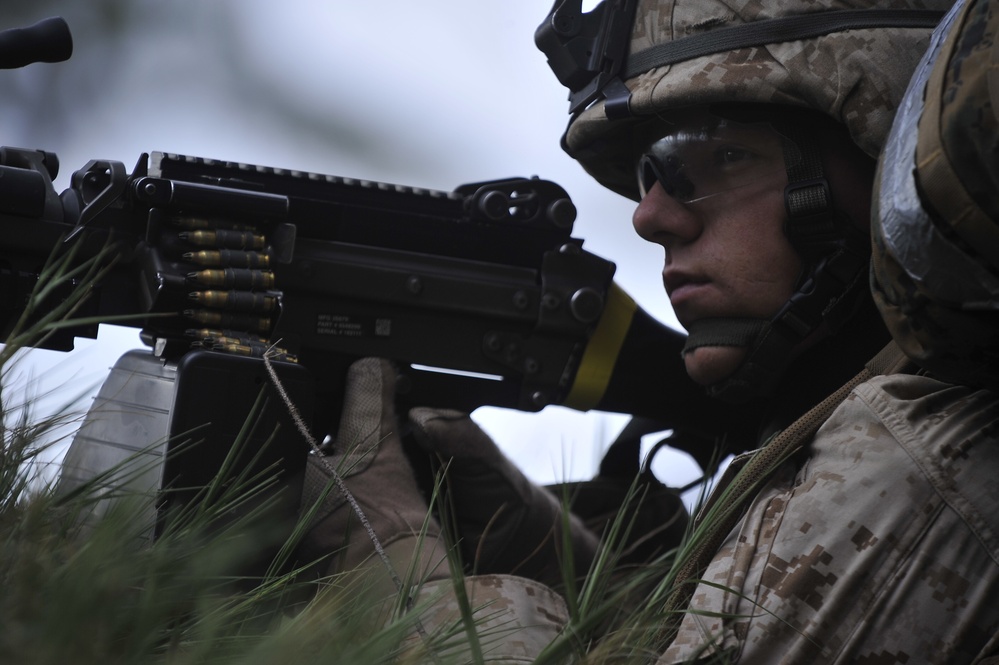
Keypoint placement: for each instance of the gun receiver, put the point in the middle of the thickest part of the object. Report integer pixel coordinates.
(484, 282)
(480, 295)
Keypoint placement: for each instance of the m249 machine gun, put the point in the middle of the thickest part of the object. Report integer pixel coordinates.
(481, 296)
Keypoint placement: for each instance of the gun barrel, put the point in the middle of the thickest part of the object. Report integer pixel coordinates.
(49, 40)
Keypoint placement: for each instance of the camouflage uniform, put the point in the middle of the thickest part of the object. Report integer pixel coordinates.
(515, 619)
(883, 546)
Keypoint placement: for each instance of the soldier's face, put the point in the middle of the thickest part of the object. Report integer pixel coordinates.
(719, 216)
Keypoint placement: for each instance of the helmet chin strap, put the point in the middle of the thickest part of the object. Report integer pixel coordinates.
(835, 255)
(769, 345)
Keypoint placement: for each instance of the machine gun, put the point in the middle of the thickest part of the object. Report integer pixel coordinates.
(481, 296)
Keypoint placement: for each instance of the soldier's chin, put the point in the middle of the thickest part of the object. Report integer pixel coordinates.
(708, 365)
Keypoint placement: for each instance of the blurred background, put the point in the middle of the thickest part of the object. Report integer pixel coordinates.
(430, 94)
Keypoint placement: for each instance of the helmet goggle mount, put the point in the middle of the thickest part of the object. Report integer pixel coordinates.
(587, 51)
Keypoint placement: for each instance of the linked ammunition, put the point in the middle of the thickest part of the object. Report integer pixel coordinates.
(243, 301)
(223, 238)
(234, 278)
(214, 318)
(228, 258)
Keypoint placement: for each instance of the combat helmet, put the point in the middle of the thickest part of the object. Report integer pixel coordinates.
(628, 61)
(935, 264)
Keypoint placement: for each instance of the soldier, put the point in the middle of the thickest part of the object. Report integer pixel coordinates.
(865, 527)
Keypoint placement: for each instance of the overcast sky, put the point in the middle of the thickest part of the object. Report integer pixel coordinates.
(431, 94)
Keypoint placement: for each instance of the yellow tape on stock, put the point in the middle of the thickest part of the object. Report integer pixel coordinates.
(601, 353)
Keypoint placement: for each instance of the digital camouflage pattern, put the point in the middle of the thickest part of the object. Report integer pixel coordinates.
(515, 619)
(935, 271)
(882, 548)
(857, 77)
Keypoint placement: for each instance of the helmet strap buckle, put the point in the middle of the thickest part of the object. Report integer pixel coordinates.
(812, 225)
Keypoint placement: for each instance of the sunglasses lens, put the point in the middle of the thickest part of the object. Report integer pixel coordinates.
(695, 162)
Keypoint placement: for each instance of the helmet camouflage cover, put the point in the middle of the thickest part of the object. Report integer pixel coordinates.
(935, 275)
(857, 76)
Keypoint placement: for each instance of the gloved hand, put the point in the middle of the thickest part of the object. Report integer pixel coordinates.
(368, 455)
(508, 525)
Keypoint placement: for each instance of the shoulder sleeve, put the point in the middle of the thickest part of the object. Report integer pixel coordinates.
(935, 273)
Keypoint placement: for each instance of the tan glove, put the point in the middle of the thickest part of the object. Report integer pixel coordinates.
(368, 455)
(508, 525)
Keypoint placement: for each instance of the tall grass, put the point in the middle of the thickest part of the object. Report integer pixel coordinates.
(81, 582)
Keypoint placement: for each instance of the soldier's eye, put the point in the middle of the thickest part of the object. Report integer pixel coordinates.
(731, 155)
